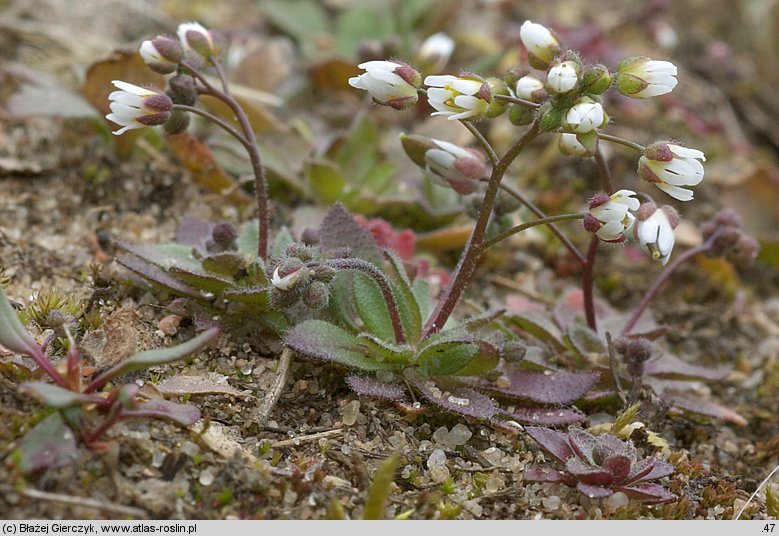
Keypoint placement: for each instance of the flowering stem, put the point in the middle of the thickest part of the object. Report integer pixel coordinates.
(214, 119)
(493, 156)
(220, 71)
(622, 141)
(527, 225)
(663, 277)
(587, 284)
(260, 181)
(470, 256)
(359, 265)
(517, 100)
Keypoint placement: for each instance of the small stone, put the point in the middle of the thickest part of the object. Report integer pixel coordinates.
(190, 449)
(302, 385)
(350, 413)
(169, 325)
(437, 459)
(441, 436)
(157, 458)
(493, 485)
(246, 369)
(459, 435)
(439, 474)
(493, 455)
(615, 501)
(503, 382)
(474, 508)
(552, 503)
(206, 477)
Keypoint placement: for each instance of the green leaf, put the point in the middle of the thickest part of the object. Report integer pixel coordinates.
(320, 339)
(248, 237)
(485, 359)
(282, 241)
(206, 282)
(407, 302)
(12, 333)
(51, 443)
(771, 502)
(359, 153)
(538, 327)
(226, 264)
(421, 292)
(165, 255)
(55, 396)
(257, 296)
(625, 418)
(389, 352)
(326, 181)
(379, 492)
(305, 20)
(153, 358)
(445, 358)
(157, 276)
(359, 23)
(583, 340)
(372, 308)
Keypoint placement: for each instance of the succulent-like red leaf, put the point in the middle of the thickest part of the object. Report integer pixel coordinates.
(546, 474)
(704, 407)
(554, 442)
(365, 386)
(548, 387)
(617, 446)
(545, 416)
(618, 465)
(648, 493)
(193, 232)
(659, 470)
(589, 474)
(641, 469)
(460, 400)
(583, 444)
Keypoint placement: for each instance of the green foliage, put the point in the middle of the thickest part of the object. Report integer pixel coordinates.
(379, 492)
(771, 502)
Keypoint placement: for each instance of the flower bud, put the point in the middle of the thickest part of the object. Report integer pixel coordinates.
(569, 145)
(178, 123)
(609, 217)
(562, 77)
(671, 166)
(541, 45)
(317, 295)
(435, 52)
(194, 36)
(465, 97)
(549, 117)
(390, 83)
(747, 248)
(300, 251)
(497, 107)
(641, 78)
(584, 116)
(287, 274)
(460, 168)
(182, 90)
(161, 54)
(224, 234)
(521, 115)
(596, 80)
(530, 88)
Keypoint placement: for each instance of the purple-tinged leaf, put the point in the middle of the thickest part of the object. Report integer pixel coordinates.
(617, 446)
(55, 396)
(183, 414)
(153, 358)
(320, 339)
(194, 232)
(648, 493)
(369, 387)
(12, 333)
(704, 407)
(545, 416)
(198, 385)
(257, 296)
(659, 469)
(546, 474)
(588, 474)
(460, 400)
(641, 469)
(554, 442)
(570, 307)
(583, 340)
(670, 367)
(618, 465)
(539, 327)
(164, 256)
(206, 282)
(51, 443)
(158, 276)
(592, 491)
(548, 387)
(583, 444)
(226, 264)
(340, 231)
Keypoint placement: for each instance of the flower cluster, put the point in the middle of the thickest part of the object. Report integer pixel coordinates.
(599, 466)
(610, 217)
(137, 107)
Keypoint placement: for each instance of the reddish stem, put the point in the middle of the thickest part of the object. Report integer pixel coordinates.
(587, 284)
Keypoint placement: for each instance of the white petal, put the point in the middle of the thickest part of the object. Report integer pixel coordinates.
(379, 65)
(686, 152)
(132, 88)
(468, 87)
(682, 194)
(440, 80)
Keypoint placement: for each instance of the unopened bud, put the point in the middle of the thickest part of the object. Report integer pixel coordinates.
(520, 115)
(182, 90)
(596, 80)
(496, 107)
(317, 295)
(194, 36)
(178, 122)
(224, 234)
(161, 54)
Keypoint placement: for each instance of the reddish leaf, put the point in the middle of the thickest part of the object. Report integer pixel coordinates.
(546, 474)
(588, 474)
(670, 367)
(618, 465)
(194, 232)
(648, 493)
(583, 443)
(594, 492)
(460, 400)
(546, 387)
(545, 416)
(704, 407)
(365, 386)
(552, 441)
(158, 276)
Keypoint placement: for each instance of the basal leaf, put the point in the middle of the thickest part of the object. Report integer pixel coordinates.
(539, 327)
(248, 237)
(408, 307)
(320, 339)
(227, 264)
(445, 358)
(164, 255)
(194, 232)
(206, 282)
(156, 275)
(703, 407)
(386, 351)
(258, 296)
(51, 443)
(670, 367)
(55, 396)
(365, 386)
(183, 414)
(459, 400)
(281, 242)
(340, 231)
(371, 306)
(583, 340)
(12, 333)
(326, 181)
(547, 387)
(545, 416)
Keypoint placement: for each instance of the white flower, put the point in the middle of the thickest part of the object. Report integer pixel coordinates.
(287, 282)
(655, 230)
(194, 36)
(539, 41)
(584, 116)
(569, 145)
(671, 166)
(436, 51)
(641, 78)
(389, 83)
(562, 77)
(137, 107)
(161, 54)
(609, 217)
(460, 168)
(529, 88)
(458, 97)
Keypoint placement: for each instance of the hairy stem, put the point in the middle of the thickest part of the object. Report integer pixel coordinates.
(470, 256)
(587, 284)
(493, 156)
(622, 141)
(516, 100)
(359, 265)
(224, 125)
(260, 180)
(663, 277)
(527, 225)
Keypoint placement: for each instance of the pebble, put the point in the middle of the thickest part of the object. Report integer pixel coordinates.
(552, 503)
(615, 501)
(157, 458)
(206, 477)
(350, 413)
(190, 449)
(493, 455)
(169, 325)
(436, 463)
(474, 508)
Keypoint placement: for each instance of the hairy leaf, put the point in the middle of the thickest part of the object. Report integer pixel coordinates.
(539, 327)
(164, 255)
(257, 296)
(704, 407)
(445, 358)
(371, 306)
(547, 387)
(546, 474)
(156, 275)
(369, 387)
(583, 340)
(281, 242)
(593, 491)
(227, 264)
(248, 238)
(554, 442)
(386, 351)
(206, 282)
(408, 308)
(670, 367)
(320, 339)
(648, 493)
(51, 443)
(194, 232)
(183, 414)
(545, 416)
(339, 231)
(460, 400)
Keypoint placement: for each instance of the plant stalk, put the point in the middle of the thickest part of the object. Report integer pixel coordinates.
(527, 225)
